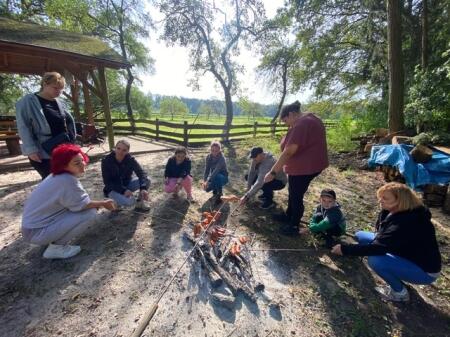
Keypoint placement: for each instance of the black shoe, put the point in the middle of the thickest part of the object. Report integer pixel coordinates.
(289, 230)
(281, 217)
(267, 204)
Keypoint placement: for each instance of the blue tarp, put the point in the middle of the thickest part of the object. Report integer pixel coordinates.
(436, 171)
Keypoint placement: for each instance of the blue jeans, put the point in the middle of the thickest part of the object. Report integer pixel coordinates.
(394, 269)
(217, 183)
(121, 199)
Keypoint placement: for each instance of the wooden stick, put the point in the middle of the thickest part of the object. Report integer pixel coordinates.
(151, 312)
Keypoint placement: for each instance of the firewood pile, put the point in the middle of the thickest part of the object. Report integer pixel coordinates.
(224, 257)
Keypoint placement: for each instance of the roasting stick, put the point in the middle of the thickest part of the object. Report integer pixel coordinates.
(143, 322)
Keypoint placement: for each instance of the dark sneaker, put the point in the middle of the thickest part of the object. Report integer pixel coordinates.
(289, 230)
(281, 217)
(267, 204)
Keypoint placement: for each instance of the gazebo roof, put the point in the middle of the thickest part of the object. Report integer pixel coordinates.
(33, 40)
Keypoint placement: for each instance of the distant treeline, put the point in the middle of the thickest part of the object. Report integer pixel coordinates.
(195, 104)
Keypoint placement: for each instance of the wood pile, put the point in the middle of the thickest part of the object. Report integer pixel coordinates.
(434, 195)
(225, 258)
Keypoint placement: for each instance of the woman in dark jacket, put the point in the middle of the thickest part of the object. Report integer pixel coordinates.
(117, 172)
(404, 248)
(177, 174)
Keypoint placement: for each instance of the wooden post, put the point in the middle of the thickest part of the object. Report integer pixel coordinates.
(106, 108)
(75, 92)
(185, 134)
(157, 128)
(273, 129)
(255, 126)
(88, 107)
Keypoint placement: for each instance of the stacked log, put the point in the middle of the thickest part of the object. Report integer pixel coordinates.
(446, 206)
(421, 154)
(434, 195)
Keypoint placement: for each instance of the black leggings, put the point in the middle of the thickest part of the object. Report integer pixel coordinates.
(298, 185)
(42, 168)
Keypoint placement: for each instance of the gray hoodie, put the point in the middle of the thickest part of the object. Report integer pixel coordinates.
(261, 170)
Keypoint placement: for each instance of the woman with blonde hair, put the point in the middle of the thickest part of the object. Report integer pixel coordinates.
(43, 122)
(404, 247)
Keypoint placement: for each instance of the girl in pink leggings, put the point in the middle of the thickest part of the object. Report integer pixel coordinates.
(178, 174)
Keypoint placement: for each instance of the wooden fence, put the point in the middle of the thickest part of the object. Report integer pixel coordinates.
(184, 134)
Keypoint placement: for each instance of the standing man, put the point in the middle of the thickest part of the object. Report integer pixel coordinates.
(303, 158)
(261, 164)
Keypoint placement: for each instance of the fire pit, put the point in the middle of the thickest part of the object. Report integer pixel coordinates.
(225, 258)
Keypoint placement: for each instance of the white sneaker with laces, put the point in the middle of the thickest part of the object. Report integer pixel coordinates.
(60, 251)
(391, 295)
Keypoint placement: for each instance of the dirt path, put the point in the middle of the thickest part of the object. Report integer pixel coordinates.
(127, 259)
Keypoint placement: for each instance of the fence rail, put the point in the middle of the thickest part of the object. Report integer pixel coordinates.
(180, 133)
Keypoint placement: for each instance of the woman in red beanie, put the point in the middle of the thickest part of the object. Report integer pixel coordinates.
(59, 209)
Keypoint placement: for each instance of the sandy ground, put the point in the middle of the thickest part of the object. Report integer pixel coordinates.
(127, 259)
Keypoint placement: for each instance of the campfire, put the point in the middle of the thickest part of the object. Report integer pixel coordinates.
(224, 256)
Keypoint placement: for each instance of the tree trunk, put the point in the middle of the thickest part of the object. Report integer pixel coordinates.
(424, 21)
(396, 80)
(283, 95)
(229, 116)
(130, 79)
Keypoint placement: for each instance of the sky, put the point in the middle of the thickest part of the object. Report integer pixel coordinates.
(172, 72)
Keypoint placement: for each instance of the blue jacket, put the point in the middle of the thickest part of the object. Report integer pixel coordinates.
(33, 127)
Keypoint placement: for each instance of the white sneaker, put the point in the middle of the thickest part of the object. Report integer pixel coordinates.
(60, 251)
(391, 295)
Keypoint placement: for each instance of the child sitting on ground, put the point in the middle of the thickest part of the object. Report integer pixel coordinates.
(327, 220)
(177, 174)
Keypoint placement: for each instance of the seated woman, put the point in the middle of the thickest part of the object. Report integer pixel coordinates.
(404, 248)
(177, 174)
(117, 172)
(59, 209)
(216, 173)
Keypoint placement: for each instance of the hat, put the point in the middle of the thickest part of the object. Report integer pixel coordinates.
(328, 193)
(255, 151)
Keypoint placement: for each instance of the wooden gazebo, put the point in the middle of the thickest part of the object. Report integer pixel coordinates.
(31, 49)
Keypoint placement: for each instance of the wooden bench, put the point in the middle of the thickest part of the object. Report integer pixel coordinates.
(8, 133)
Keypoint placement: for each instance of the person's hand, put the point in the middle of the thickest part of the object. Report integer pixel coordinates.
(204, 184)
(304, 231)
(35, 157)
(337, 250)
(268, 177)
(109, 204)
(128, 193)
(144, 195)
(243, 200)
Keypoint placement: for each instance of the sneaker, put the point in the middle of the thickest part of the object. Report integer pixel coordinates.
(141, 206)
(281, 217)
(60, 251)
(289, 230)
(267, 204)
(391, 295)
